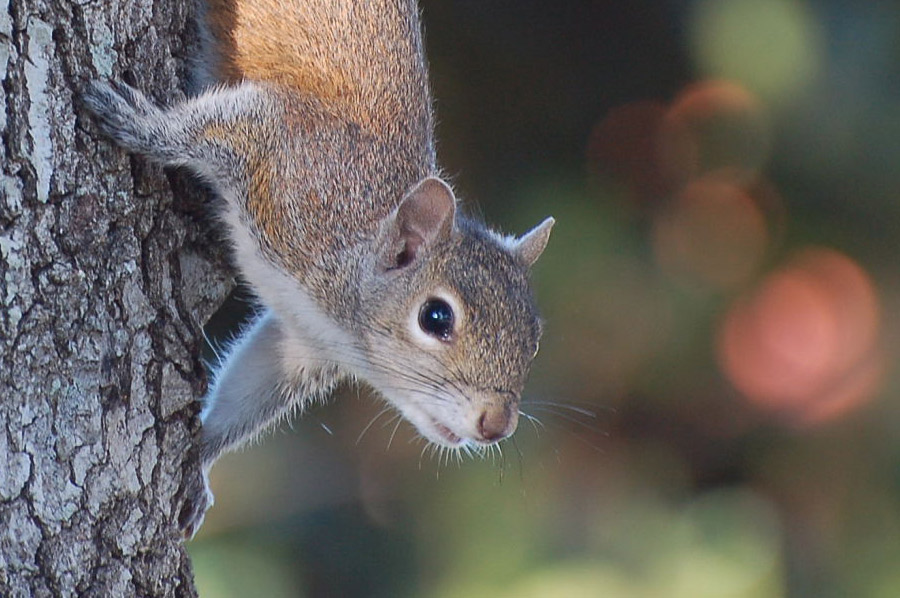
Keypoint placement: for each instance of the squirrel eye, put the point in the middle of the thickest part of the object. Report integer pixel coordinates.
(436, 318)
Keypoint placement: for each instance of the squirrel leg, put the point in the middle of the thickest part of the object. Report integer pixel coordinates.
(266, 374)
(252, 388)
(185, 134)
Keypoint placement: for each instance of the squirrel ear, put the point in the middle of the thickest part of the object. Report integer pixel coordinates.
(531, 245)
(424, 216)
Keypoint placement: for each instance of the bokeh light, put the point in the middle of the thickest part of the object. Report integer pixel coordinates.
(714, 125)
(713, 233)
(805, 343)
(695, 167)
(773, 47)
(626, 147)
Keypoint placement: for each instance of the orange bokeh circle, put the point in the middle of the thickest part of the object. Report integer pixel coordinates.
(805, 343)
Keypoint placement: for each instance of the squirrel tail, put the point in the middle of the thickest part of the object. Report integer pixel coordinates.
(362, 58)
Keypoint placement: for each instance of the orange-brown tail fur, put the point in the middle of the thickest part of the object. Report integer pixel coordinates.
(361, 57)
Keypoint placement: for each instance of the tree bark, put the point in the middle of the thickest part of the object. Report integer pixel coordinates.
(105, 281)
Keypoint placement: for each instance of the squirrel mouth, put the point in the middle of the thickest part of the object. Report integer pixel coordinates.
(446, 433)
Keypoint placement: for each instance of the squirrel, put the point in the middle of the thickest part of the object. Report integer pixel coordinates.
(318, 138)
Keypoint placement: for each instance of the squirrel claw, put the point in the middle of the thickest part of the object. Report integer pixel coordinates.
(198, 498)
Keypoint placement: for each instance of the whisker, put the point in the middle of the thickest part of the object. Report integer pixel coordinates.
(585, 421)
(521, 461)
(371, 422)
(213, 346)
(565, 406)
(502, 468)
(534, 421)
(587, 442)
(568, 418)
(422, 455)
(394, 433)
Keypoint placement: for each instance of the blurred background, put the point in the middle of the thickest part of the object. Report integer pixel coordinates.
(714, 410)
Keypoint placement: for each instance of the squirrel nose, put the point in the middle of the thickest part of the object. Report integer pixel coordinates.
(497, 422)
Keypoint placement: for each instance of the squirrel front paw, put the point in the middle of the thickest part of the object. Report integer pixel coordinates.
(123, 113)
(197, 499)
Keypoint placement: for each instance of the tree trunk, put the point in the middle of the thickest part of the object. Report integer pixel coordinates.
(105, 281)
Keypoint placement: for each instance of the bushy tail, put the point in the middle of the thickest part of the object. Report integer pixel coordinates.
(361, 57)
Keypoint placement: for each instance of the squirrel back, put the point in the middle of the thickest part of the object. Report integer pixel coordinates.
(364, 61)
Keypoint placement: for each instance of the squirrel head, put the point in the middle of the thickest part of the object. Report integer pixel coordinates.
(454, 326)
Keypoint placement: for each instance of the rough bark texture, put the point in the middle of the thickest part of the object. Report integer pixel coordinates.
(104, 282)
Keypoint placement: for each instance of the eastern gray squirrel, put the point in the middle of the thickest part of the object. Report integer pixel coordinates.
(320, 142)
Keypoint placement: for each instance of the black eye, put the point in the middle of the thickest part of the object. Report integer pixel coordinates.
(436, 318)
